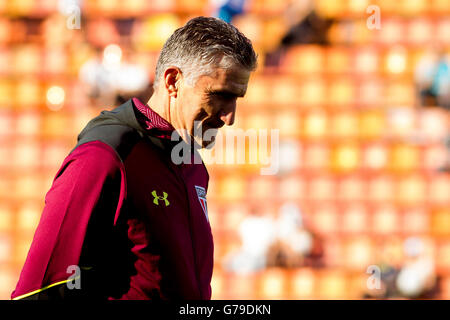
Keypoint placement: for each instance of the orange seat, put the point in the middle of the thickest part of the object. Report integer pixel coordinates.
(262, 188)
(433, 124)
(316, 157)
(404, 158)
(355, 219)
(400, 122)
(392, 31)
(416, 220)
(101, 32)
(322, 188)
(28, 94)
(259, 92)
(289, 123)
(312, 93)
(358, 253)
(273, 284)
(302, 284)
(420, 31)
(152, 33)
(443, 30)
(232, 188)
(440, 222)
(434, 157)
(332, 285)
(252, 27)
(443, 256)
(55, 61)
(366, 61)
(352, 188)
(370, 93)
(245, 286)
(28, 187)
(8, 279)
(385, 220)
(337, 60)
(439, 191)
(375, 156)
(57, 125)
(6, 125)
(106, 7)
(292, 188)
(6, 218)
(346, 157)
(411, 190)
(232, 216)
(191, 7)
(439, 7)
(341, 93)
(400, 93)
(344, 125)
(372, 124)
(218, 286)
(413, 8)
(381, 189)
(315, 125)
(445, 288)
(17, 7)
(303, 60)
(285, 92)
(28, 215)
(26, 155)
(330, 8)
(325, 219)
(27, 59)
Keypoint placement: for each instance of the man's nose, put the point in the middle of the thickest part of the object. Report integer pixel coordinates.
(227, 116)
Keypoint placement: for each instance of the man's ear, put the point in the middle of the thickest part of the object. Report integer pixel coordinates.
(172, 78)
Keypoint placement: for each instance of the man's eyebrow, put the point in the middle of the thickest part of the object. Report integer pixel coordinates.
(240, 94)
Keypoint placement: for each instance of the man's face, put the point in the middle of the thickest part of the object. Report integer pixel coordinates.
(211, 102)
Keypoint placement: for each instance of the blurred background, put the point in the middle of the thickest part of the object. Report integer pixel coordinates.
(359, 90)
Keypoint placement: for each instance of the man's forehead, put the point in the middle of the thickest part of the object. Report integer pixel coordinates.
(234, 79)
(235, 73)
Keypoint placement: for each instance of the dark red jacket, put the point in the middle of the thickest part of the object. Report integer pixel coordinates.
(133, 221)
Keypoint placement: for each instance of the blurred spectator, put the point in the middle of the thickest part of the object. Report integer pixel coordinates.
(387, 288)
(257, 233)
(282, 242)
(230, 8)
(111, 81)
(295, 246)
(305, 27)
(432, 76)
(417, 277)
(446, 167)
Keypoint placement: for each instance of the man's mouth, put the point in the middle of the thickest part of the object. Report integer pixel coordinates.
(215, 125)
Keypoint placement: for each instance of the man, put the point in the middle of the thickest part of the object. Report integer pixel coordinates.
(122, 220)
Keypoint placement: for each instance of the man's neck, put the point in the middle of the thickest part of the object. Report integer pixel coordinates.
(160, 103)
(160, 106)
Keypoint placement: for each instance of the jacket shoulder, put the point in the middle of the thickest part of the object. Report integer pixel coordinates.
(120, 138)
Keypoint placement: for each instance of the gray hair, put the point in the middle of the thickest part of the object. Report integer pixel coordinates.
(202, 44)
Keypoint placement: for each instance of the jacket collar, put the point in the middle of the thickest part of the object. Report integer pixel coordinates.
(150, 121)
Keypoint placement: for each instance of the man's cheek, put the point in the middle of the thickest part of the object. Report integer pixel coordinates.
(209, 136)
(197, 129)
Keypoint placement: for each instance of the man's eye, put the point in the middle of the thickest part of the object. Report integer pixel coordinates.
(223, 95)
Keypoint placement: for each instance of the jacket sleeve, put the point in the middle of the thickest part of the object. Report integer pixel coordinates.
(69, 203)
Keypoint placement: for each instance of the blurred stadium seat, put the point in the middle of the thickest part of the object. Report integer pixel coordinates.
(363, 161)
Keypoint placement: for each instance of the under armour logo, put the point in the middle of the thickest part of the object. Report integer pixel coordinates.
(156, 198)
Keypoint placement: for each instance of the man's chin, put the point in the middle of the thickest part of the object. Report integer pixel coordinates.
(209, 144)
(205, 144)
